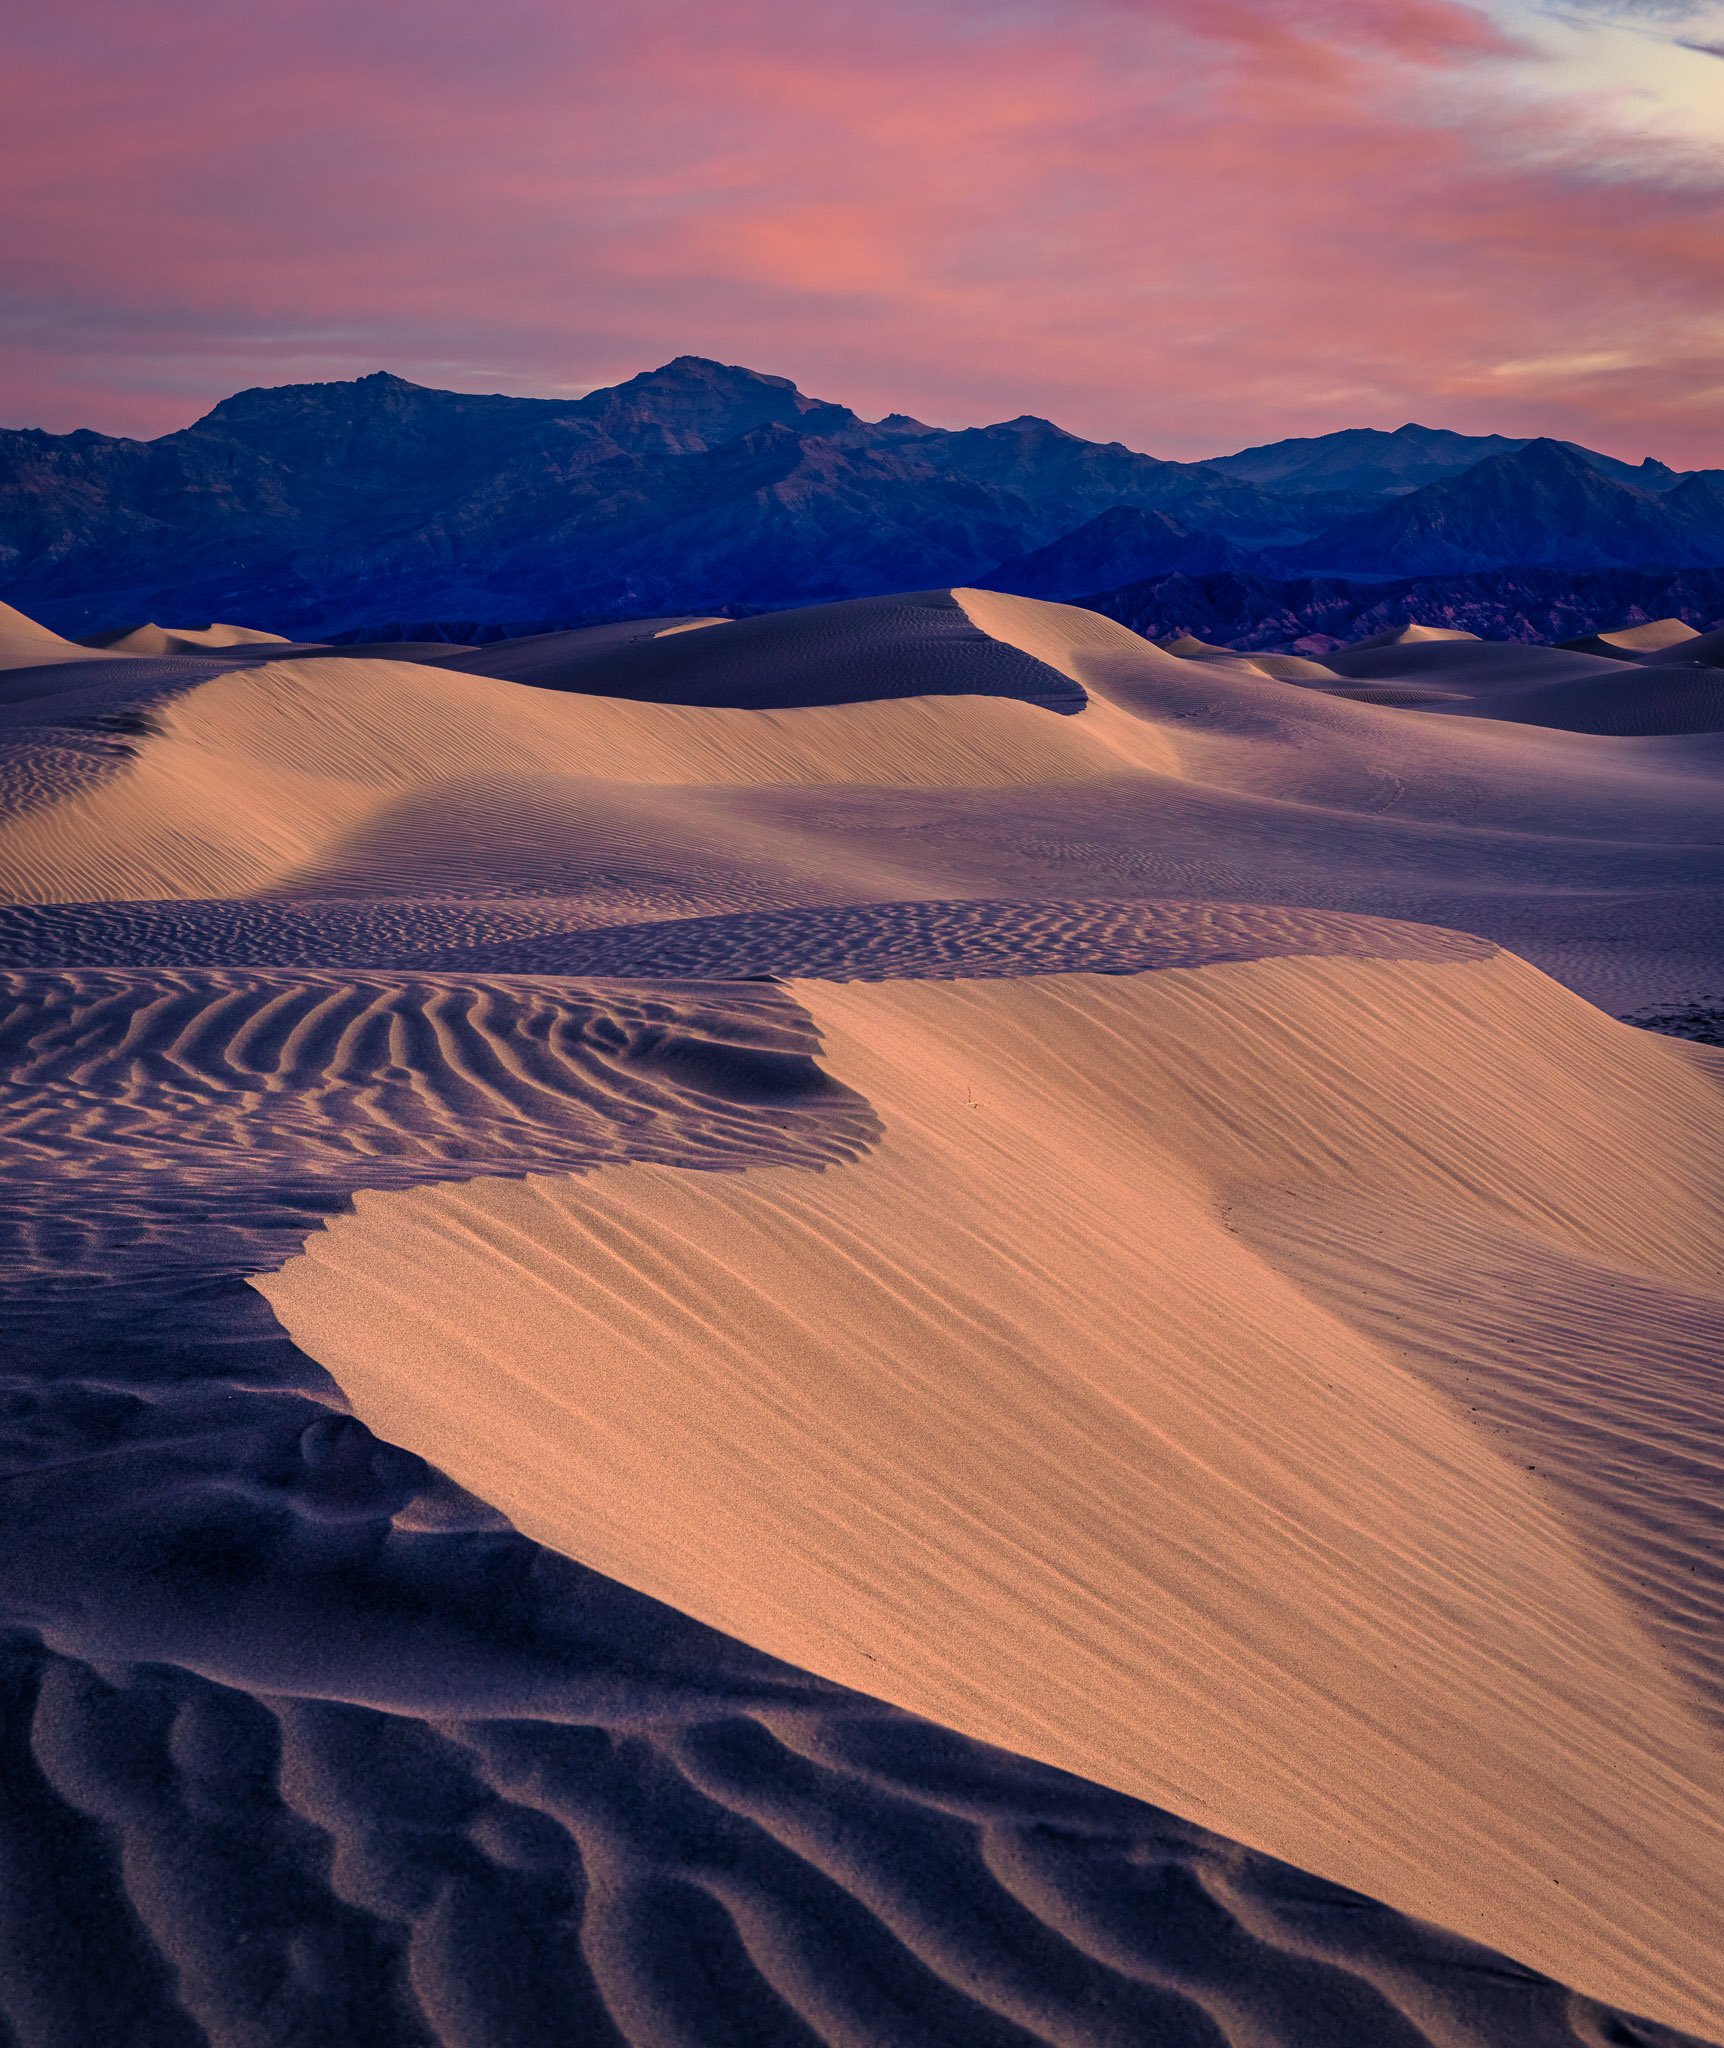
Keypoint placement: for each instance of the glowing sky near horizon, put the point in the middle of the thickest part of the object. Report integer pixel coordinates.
(1186, 224)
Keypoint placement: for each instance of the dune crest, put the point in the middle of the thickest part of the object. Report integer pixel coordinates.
(1007, 1424)
(1288, 667)
(254, 773)
(1651, 638)
(24, 644)
(154, 639)
(1410, 636)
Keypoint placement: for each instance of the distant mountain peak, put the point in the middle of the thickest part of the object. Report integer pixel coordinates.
(1363, 459)
(373, 381)
(1544, 502)
(1551, 461)
(692, 403)
(704, 370)
(1546, 448)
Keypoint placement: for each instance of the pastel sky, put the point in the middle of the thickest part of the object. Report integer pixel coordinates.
(1185, 224)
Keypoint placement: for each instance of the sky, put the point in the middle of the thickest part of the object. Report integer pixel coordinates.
(1189, 225)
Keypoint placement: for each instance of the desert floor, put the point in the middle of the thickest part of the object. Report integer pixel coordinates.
(901, 1324)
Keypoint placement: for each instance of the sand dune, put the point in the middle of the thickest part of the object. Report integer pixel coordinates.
(1290, 667)
(1137, 1299)
(1006, 1425)
(558, 660)
(262, 771)
(1631, 641)
(154, 639)
(545, 1796)
(1478, 666)
(1176, 779)
(24, 644)
(1706, 649)
(1568, 688)
(1409, 636)
(926, 643)
(1667, 701)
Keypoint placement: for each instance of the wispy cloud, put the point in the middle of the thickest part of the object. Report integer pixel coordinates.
(1186, 223)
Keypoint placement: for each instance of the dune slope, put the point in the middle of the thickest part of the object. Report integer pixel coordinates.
(263, 771)
(1007, 1424)
(24, 644)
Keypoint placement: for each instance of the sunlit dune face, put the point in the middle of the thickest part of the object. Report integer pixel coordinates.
(1186, 227)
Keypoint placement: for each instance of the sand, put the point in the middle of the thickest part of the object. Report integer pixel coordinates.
(996, 1361)
(1007, 1425)
(1630, 641)
(1409, 636)
(1289, 667)
(24, 644)
(154, 639)
(1595, 856)
(1704, 649)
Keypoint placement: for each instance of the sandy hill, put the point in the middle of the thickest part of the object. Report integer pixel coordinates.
(1628, 641)
(906, 1322)
(24, 644)
(154, 639)
(1026, 1423)
(1702, 650)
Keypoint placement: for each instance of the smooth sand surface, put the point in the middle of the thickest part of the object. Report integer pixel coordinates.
(24, 644)
(560, 660)
(1630, 641)
(154, 639)
(1409, 636)
(265, 770)
(1603, 692)
(922, 643)
(913, 1150)
(1290, 667)
(1705, 648)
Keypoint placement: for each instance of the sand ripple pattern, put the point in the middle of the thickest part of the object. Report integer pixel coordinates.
(221, 931)
(1603, 1382)
(153, 1114)
(69, 725)
(915, 940)
(36, 774)
(301, 1870)
(978, 939)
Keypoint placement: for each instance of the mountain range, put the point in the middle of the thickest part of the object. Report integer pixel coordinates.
(1363, 459)
(701, 487)
(1314, 615)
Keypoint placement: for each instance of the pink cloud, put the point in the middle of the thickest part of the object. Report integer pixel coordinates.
(1184, 225)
